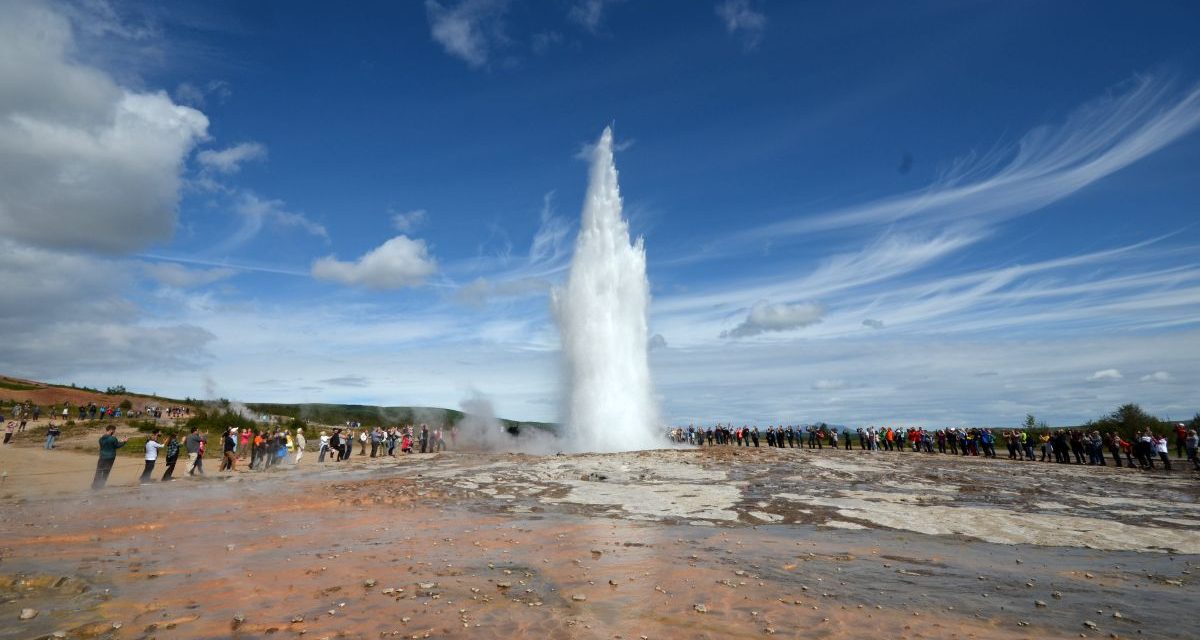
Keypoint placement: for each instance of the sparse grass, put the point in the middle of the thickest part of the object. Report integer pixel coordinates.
(17, 386)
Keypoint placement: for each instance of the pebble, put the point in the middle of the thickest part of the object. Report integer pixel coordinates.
(579, 597)
(1089, 624)
(238, 618)
(370, 582)
(1039, 603)
(1057, 595)
(297, 619)
(1117, 615)
(700, 608)
(28, 614)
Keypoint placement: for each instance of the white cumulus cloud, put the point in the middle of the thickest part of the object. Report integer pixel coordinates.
(1157, 376)
(230, 159)
(1105, 375)
(764, 317)
(399, 262)
(468, 30)
(84, 162)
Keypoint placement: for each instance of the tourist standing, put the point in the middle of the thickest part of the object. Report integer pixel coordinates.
(424, 438)
(108, 455)
(152, 447)
(300, 444)
(8, 431)
(322, 446)
(52, 434)
(1162, 449)
(229, 449)
(195, 450)
(172, 457)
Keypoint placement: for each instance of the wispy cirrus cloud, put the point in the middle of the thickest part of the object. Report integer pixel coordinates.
(1047, 165)
(1106, 375)
(230, 159)
(255, 212)
(743, 20)
(589, 14)
(176, 275)
(408, 221)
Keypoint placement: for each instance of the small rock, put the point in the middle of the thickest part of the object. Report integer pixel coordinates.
(239, 618)
(1088, 575)
(1057, 595)
(1039, 603)
(1089, 624)
(612, 582)
(28, 614)
(426, 585)
(700, 608)
(369, 583)
(1117, 615)
(579, 597)
(504, 585)
(297, 619)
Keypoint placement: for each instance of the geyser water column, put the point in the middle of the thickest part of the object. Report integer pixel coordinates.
(601, 315)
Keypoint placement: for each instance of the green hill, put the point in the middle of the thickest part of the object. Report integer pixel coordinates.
(371, 415)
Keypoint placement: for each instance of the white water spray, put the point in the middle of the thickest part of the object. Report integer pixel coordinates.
(602, 319)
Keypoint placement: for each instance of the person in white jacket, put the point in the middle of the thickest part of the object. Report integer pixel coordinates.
(300, 442)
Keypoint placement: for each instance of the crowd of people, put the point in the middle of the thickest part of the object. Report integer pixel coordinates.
(266, 448)
(1064, 446)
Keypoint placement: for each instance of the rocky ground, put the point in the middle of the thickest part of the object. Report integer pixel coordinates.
(663, 544)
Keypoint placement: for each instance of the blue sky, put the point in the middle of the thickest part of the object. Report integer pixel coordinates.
(935, 213)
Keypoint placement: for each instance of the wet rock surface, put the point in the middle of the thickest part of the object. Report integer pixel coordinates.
(698, 544)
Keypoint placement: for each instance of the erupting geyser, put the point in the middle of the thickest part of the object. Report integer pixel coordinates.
(602, 319)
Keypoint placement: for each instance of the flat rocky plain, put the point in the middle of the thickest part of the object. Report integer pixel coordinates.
(687, 543)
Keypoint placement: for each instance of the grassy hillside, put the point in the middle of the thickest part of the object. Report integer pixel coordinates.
(15, 390)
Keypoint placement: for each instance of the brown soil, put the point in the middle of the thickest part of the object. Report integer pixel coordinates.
(466, 545)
